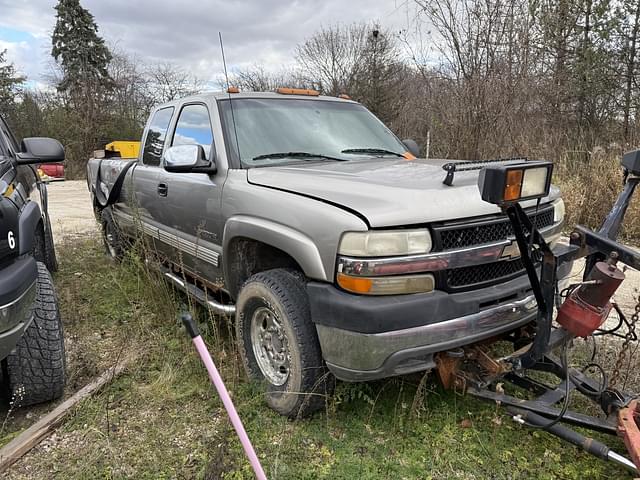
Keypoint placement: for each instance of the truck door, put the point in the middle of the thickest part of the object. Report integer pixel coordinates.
(192, 213)
(144, 209)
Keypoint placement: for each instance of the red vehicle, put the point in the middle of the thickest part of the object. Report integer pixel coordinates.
(53, 170)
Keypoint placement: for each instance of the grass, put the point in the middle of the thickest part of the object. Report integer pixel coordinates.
(162, 418)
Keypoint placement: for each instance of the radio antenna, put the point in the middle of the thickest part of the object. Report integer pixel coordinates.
(233, 118)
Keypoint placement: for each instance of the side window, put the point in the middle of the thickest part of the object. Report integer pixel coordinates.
(156, 134)
(194, 128)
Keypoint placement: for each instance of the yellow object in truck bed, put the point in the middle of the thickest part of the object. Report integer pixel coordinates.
(126, 149)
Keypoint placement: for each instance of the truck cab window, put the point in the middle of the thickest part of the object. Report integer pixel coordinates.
(154, 143)
(194, 128)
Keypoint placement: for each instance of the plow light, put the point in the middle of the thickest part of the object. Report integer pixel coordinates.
(631, 161)
(504, 184)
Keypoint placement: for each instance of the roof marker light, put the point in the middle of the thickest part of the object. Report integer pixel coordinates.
(297, 91)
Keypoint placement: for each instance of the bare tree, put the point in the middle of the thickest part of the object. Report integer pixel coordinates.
(486, 75)
(257, 79)
(130, 101)
(167, 82)
(333, 57)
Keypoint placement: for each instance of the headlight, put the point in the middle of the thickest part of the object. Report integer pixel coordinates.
(558, 211)
(395, 285)
(385, 243)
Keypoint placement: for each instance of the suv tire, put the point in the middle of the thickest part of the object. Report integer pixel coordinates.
(278, 342)
(44, 250)
(35, 371)
(49, 247)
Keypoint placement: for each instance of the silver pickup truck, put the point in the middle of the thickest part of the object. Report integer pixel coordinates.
(332, 245)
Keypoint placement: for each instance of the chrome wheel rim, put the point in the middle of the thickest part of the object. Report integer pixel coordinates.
(270, 346)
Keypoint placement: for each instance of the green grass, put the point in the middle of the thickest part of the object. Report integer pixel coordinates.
(162, 418)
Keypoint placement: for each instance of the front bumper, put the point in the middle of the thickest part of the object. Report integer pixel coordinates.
(365, 338)
(17, 294)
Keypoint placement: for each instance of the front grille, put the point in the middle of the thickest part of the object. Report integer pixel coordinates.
(477, 233)
(480, 231)
(483, 274)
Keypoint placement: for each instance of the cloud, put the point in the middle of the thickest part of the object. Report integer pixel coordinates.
(255, 32)
(27, 56)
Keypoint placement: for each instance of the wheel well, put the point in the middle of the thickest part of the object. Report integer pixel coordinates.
(39, 231)
(247, 257)
(97, 209)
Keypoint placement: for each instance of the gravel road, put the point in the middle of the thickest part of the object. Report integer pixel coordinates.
(70, 210)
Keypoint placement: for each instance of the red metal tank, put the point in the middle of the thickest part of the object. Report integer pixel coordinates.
(588, 306)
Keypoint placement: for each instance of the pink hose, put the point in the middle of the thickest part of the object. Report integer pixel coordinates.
(215, 377)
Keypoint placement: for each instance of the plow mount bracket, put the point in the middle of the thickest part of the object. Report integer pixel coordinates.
(628, 429)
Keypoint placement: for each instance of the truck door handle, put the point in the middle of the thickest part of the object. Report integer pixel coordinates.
(163, 189)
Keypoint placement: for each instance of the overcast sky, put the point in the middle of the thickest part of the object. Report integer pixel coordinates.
(185, 32)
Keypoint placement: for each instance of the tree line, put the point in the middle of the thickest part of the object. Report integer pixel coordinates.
(554, 79)
(93, 94)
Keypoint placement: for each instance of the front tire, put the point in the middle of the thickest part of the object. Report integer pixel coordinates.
(278, 342)
(35, 370)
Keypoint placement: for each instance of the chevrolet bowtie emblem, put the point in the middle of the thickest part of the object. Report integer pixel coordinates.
(511, 251)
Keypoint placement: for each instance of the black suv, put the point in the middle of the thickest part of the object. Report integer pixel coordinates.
(31, 337)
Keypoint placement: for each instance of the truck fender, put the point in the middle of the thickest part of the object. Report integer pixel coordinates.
(296, 244)
(103, 200)
(27, 225)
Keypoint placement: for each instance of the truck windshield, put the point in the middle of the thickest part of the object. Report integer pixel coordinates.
(278, 131)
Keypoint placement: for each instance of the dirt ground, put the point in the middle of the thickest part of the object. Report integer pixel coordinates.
(70, 210)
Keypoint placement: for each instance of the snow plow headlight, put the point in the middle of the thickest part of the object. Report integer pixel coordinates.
(504, 184)
(384, 243)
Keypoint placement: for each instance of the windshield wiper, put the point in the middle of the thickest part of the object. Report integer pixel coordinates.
(374, 151)
(303, 155)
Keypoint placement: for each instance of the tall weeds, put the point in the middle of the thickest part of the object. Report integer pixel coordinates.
(590, 189)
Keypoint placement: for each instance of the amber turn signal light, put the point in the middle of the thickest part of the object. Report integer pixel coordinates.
(354, 284)
(513, 185)
(386, 285)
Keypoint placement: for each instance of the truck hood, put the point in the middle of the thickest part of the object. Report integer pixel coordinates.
(386, 192)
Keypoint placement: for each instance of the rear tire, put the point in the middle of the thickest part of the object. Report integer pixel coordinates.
(35, 370)
(279, 345)
(111, 236)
